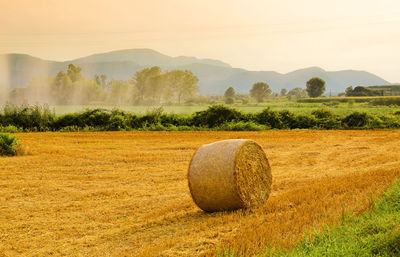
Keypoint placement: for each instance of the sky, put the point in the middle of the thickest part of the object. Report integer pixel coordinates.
(279, 35)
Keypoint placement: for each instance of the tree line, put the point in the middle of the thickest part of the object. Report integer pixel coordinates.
(315, 87)
(389, 90)
(148, 86)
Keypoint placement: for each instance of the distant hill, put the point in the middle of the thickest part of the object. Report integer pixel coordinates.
(214, 76)
(147, 57)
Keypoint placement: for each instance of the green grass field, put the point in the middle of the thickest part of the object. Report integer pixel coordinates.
(295, 107)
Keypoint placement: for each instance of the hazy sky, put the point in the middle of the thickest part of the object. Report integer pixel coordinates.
(280, 35)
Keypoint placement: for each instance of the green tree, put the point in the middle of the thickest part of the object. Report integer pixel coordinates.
(121, 92)
(69, 87)
(143, 80)
(315, 87)
(74, 72)
(363, 91)
(259, 91)
(348, 91)
(97, 79)
(283, 91)
(297, 92)
(230, 93)
(86, 91)
(103, 79)
(72, 87)
(156, 88)
(62, 88)
(184, 83)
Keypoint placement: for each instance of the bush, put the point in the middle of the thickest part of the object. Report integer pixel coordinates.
(326, 119)
(303, 122)
(285, 120)
(8, 145)
(95, 118)
(152, 117)
(288, 119)
(323, 114)
(133, 121)
(270, 118)
(329, 123)
(67, 120)
(10, 129)
(174, 119)
(389, 121)
(356, 120)
(89, 117)
(117, 122)
(35, 117)
(362, 120)
(216, 115)
(241, 126)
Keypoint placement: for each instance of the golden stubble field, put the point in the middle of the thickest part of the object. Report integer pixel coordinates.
(126, 193)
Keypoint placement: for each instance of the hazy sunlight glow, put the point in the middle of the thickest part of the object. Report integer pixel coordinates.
(280, 35)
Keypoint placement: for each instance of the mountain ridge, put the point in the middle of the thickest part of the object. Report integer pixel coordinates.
(214, 75)
(145, 57)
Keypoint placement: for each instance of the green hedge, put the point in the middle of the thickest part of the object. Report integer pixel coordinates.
(216, 117)
(367, 99)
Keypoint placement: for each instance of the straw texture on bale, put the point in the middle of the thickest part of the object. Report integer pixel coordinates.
(229, 175)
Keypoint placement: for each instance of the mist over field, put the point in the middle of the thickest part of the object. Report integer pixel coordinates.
(4, 81)
(109, 78)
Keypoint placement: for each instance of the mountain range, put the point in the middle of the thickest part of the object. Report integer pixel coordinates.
(214, 76)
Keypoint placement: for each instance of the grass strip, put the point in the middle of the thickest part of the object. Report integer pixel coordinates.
(375, 233)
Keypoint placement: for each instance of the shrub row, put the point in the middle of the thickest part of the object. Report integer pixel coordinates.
(216, 117)
(361, 99)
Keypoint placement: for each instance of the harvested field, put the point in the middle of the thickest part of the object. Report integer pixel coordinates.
(126, 193)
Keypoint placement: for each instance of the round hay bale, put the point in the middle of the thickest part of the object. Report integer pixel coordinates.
(229, 175)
